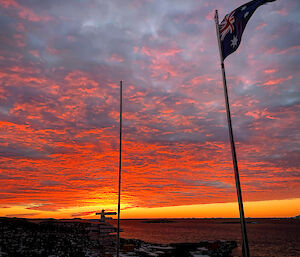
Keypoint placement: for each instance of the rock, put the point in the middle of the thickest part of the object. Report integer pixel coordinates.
(202, 249)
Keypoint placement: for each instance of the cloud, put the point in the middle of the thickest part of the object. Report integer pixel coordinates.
(61, 64)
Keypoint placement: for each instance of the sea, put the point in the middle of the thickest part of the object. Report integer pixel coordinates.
(267, 237)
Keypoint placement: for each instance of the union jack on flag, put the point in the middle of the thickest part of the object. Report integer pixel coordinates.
(233, 25)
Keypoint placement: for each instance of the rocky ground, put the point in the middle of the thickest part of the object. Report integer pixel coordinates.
(21, 238)
(133, 247)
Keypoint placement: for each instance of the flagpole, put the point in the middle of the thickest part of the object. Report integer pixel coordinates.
(234, 159)
(120, 162)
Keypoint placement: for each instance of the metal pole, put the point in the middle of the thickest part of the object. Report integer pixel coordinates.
(234, 159)
(120, 162)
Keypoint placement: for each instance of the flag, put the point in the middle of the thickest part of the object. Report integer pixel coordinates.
(233, 25)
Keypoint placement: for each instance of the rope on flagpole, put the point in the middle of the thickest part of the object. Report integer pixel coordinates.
(234, 159)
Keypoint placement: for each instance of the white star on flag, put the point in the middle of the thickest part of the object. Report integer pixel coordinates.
(234, 42)
(246, 14)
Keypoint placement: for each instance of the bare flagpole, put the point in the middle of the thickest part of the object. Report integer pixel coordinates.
(120, 162)
(234, 159)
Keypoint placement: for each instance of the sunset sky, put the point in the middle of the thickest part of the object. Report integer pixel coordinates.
(60, 67)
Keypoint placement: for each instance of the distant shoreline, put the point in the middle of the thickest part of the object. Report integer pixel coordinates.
(154, 220)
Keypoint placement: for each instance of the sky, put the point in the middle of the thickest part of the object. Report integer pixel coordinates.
(60, 67)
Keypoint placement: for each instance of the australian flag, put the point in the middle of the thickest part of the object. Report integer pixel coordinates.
(233, 25)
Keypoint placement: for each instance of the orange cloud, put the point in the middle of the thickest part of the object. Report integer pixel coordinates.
(270, 71)
(277, 81)
(59, 111)
(23, 12)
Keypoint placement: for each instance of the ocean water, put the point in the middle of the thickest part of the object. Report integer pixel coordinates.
(267, 237)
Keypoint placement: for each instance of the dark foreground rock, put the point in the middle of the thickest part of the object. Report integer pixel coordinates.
(21, 238)
(133, 247)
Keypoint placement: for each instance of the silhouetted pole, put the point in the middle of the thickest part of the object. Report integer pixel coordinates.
(234, 159)
(120, 166)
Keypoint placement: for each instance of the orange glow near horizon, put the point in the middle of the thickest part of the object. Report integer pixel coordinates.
(258, 209)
